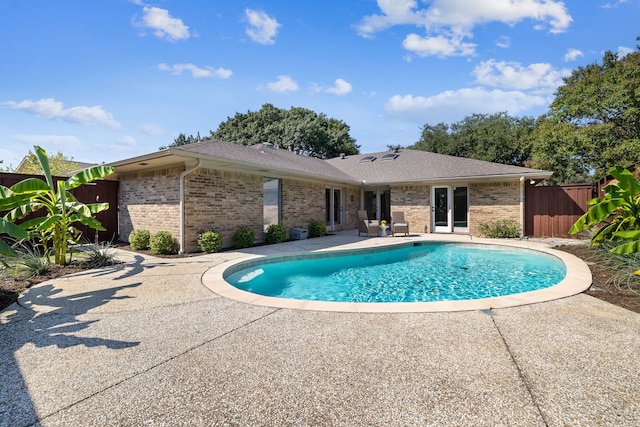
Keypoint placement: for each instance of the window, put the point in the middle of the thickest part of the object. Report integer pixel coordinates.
(271, 201)
(367, 159)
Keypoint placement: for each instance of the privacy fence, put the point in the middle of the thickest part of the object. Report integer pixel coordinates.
(551, 211)
(102, 191)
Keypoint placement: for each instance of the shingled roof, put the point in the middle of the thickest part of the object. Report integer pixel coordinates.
(265, 156)
(403, 166)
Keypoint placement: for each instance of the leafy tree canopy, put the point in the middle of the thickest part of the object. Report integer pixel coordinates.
(183, 139)
(491, 137)
(59, 164)
(594, 122)
(294, 129)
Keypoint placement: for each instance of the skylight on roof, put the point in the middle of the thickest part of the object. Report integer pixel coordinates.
(389, 156)
(367, 159)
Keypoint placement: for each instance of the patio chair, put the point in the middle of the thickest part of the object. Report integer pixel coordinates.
(398, 224)
(365, 225)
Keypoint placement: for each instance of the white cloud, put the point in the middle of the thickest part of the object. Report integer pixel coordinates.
(262, 28)
(341, 87)
(613, 5)
(460, 103)
(437, 46)
(503, 42)
(624, 51)
(513, 75)
(197, 72)
(128, 141)
(572, 55)
(52, 109)
(283, 84)
(448, 22)
(164, 26)
(50, 140)
(153, 129)
(465, 14)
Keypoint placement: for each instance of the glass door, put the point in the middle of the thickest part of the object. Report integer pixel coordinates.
(460, 210)
(441, 209)
(333, 208)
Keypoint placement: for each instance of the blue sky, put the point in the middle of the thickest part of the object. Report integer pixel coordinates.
(106, 80)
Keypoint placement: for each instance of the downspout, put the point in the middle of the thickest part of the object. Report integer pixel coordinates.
(182, 177)
(522, 183)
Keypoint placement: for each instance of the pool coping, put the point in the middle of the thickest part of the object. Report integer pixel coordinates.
(577, 280)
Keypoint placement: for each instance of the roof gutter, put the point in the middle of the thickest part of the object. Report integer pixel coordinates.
(182, 177)
(256, 169)
(538, 176)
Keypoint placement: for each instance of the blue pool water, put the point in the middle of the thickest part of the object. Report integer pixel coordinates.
(422, 272)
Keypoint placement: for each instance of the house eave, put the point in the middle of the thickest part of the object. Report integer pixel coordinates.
(537, 175)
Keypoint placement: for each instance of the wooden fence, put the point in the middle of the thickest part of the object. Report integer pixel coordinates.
(551, 211)
(102, 191)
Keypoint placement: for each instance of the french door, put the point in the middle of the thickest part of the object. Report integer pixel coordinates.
(334, 208)
(441, 210)
(449, 209)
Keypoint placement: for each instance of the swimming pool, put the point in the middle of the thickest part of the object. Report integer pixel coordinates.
(417, 272)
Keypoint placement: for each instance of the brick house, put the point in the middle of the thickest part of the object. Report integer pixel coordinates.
(220, 185)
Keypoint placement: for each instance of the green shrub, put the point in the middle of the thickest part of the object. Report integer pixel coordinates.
(210, 241)
(30, 260)
(276, 233)
(244, 237)
(161, 243)
(502, 228)
(317, 229)
(99, 255)
(139, 239)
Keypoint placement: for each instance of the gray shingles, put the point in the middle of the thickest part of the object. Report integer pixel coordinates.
(408, 166)
(265, 157)
(423, 166)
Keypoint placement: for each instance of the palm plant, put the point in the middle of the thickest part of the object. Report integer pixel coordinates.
(62, 208)
(617, 214)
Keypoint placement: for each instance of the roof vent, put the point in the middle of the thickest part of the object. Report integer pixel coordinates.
(367, 159)
(342, 155)
(267, 145)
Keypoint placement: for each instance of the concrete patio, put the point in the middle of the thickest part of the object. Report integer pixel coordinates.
(146, 343)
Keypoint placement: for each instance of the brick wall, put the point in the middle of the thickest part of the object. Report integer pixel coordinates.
(224, 201)
(491, 201)
(302, 203)
(352, 205)
(414, 201)
(151, 201)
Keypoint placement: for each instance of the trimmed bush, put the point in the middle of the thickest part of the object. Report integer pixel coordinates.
(210, 241)
(317, 229)
(139, 239)
(502, 228)
(276, 233)
(244, 238)
(161, 243)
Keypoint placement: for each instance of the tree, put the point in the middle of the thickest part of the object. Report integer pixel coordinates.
(59, 164)
(183, 139)
(62, 208)
(491, 137)
(295, 129)
(595, 118)
(558, 147)
(436, 139)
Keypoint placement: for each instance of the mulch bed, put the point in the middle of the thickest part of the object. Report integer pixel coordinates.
(601, 288)
(11, 289)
